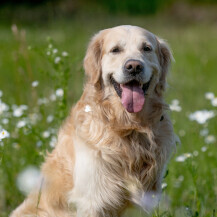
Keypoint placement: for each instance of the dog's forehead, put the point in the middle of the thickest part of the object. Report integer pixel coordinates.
(127, 34)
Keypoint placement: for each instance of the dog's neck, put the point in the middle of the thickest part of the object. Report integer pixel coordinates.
(108, 108)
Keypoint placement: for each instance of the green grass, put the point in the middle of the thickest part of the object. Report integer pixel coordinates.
(191, 185)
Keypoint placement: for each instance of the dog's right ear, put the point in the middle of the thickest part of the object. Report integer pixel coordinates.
(165, 58)
(92, 60)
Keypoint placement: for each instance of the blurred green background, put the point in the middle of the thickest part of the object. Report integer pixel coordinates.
(27, 31)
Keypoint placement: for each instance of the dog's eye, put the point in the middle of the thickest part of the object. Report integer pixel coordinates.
(115, 50)
(147, 48)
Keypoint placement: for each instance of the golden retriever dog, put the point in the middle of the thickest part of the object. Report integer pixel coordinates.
(113, 148)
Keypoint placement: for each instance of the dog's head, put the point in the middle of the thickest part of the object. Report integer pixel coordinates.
(129, 62)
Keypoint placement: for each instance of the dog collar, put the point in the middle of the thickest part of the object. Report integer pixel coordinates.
(162, 117)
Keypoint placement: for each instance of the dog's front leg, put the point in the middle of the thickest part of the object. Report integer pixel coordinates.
(50, 198)
(39, 204)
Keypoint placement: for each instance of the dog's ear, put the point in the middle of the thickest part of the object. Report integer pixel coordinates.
(92, 60)
(165, 58)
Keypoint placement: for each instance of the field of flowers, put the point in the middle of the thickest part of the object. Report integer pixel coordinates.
(41, 76)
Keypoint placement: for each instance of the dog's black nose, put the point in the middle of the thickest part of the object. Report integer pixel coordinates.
(133, 67)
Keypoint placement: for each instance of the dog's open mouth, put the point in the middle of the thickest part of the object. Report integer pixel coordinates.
(132, 94)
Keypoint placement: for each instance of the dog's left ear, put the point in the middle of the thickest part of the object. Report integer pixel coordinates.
(92, 60)
(165, 58)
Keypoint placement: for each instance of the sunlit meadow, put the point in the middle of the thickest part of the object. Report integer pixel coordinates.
(41, 76)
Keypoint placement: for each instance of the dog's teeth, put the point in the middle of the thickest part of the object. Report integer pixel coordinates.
(141, 85)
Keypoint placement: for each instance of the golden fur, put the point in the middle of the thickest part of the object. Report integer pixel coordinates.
(107, 158)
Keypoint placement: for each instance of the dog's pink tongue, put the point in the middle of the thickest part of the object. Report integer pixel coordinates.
(132, 97)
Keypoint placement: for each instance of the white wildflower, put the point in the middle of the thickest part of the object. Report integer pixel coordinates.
(21, 124)
(149, 201)
(14, 106)
(15, 145)
(178, 181)
(24, 107)
(181, 178)
(53, 131)
(1, 93)
(175, 101)
(50, 45)
(35, 83)
(174, 106)
(42, 101)
(183, 157)
(3, 107)
(59, 92)
(39, 143)
(57, 60)
(4, 134)
(53, 97)
(209, 95)
(210, 154)
(34, 118)
(64, 54)
(55, 50)
(19, 110)
(50, 118)
(46, 134)
(210, 139)
(14, 29)
(195, 153)
(28, 179)
(201, 116)
(180, 158)
(204, 148)
(87, 108)
(53, 141)
(214, 102)
(204, 132)
(5, 121)
(163, 185)
(182, 133)
(48, 53)
(187, 155)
